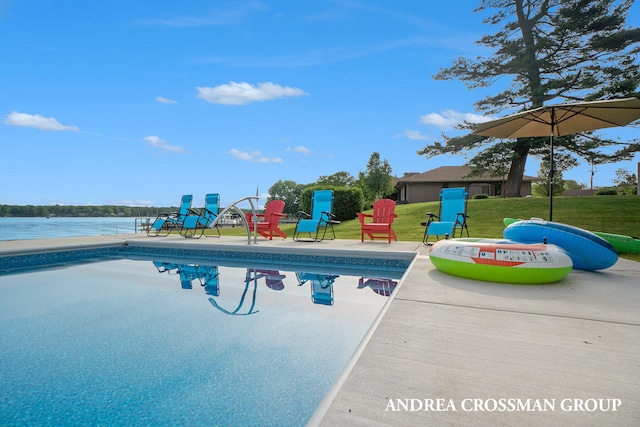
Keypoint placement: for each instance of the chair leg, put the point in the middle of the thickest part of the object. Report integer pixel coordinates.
(215, 228)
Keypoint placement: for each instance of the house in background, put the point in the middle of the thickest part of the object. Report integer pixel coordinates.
(425, 187)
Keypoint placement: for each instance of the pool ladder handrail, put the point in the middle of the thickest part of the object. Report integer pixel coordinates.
(240, 212)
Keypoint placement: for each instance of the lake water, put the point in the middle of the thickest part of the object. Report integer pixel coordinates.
(44, 228)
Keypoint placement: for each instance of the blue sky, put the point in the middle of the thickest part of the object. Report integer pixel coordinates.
(135, 102)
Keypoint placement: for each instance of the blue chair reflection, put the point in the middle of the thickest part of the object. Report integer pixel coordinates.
(206, 275)
(321, 286)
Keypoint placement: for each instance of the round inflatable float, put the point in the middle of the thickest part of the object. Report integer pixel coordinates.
(495, 260)
(587, 251)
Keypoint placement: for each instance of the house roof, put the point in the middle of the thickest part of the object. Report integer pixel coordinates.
(454, 174)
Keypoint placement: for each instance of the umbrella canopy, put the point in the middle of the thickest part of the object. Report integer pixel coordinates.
(560, 120)
(563, 119)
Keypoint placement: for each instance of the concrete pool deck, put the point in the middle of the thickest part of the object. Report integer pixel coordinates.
(452, 351)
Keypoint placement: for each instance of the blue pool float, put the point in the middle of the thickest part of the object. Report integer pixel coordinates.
(587, 250)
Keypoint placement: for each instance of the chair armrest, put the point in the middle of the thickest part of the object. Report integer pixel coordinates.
(362, 216)
(175, 215)
(461, 219)
(302, 214)
(330, 218)
(206, 213)
(431, 218)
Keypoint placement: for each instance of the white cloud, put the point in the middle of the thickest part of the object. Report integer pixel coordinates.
(300, 149)
(245, 93)
(449, 119)
(37, 121)
(416, 135)
(157, 142)
(254, 156)
(163, 100)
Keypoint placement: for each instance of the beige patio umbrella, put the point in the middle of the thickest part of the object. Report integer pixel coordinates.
(560, 120)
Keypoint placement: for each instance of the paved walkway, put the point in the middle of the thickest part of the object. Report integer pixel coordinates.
(452, 351)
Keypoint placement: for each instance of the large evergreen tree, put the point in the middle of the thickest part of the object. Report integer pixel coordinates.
(553, 51)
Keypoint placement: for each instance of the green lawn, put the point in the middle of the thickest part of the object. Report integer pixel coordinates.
(612, 214)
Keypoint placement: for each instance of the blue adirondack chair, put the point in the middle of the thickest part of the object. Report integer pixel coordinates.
(453, 214)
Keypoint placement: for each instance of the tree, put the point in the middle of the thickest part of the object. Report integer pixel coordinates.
(572, 184)
(494, 161)
(339, 179)
(626, 182)
(289, 192)
(376, 181)
(542, 188)
(550, 49)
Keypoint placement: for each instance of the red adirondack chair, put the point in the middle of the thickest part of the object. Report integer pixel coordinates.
(268, 222)
(378, 224)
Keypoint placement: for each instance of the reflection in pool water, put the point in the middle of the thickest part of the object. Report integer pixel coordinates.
(116, 343)
(321, 284)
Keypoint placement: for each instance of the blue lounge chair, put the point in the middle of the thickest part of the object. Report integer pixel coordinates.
(166, 223)
(197, 222)
(320, 219)
(453, 214)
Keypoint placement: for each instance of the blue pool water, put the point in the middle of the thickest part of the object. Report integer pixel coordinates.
(152, 341)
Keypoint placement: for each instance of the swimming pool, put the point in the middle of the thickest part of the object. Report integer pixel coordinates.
(140, 336)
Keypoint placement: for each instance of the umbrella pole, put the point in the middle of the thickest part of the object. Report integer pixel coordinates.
(551, 173)
(551, 166)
